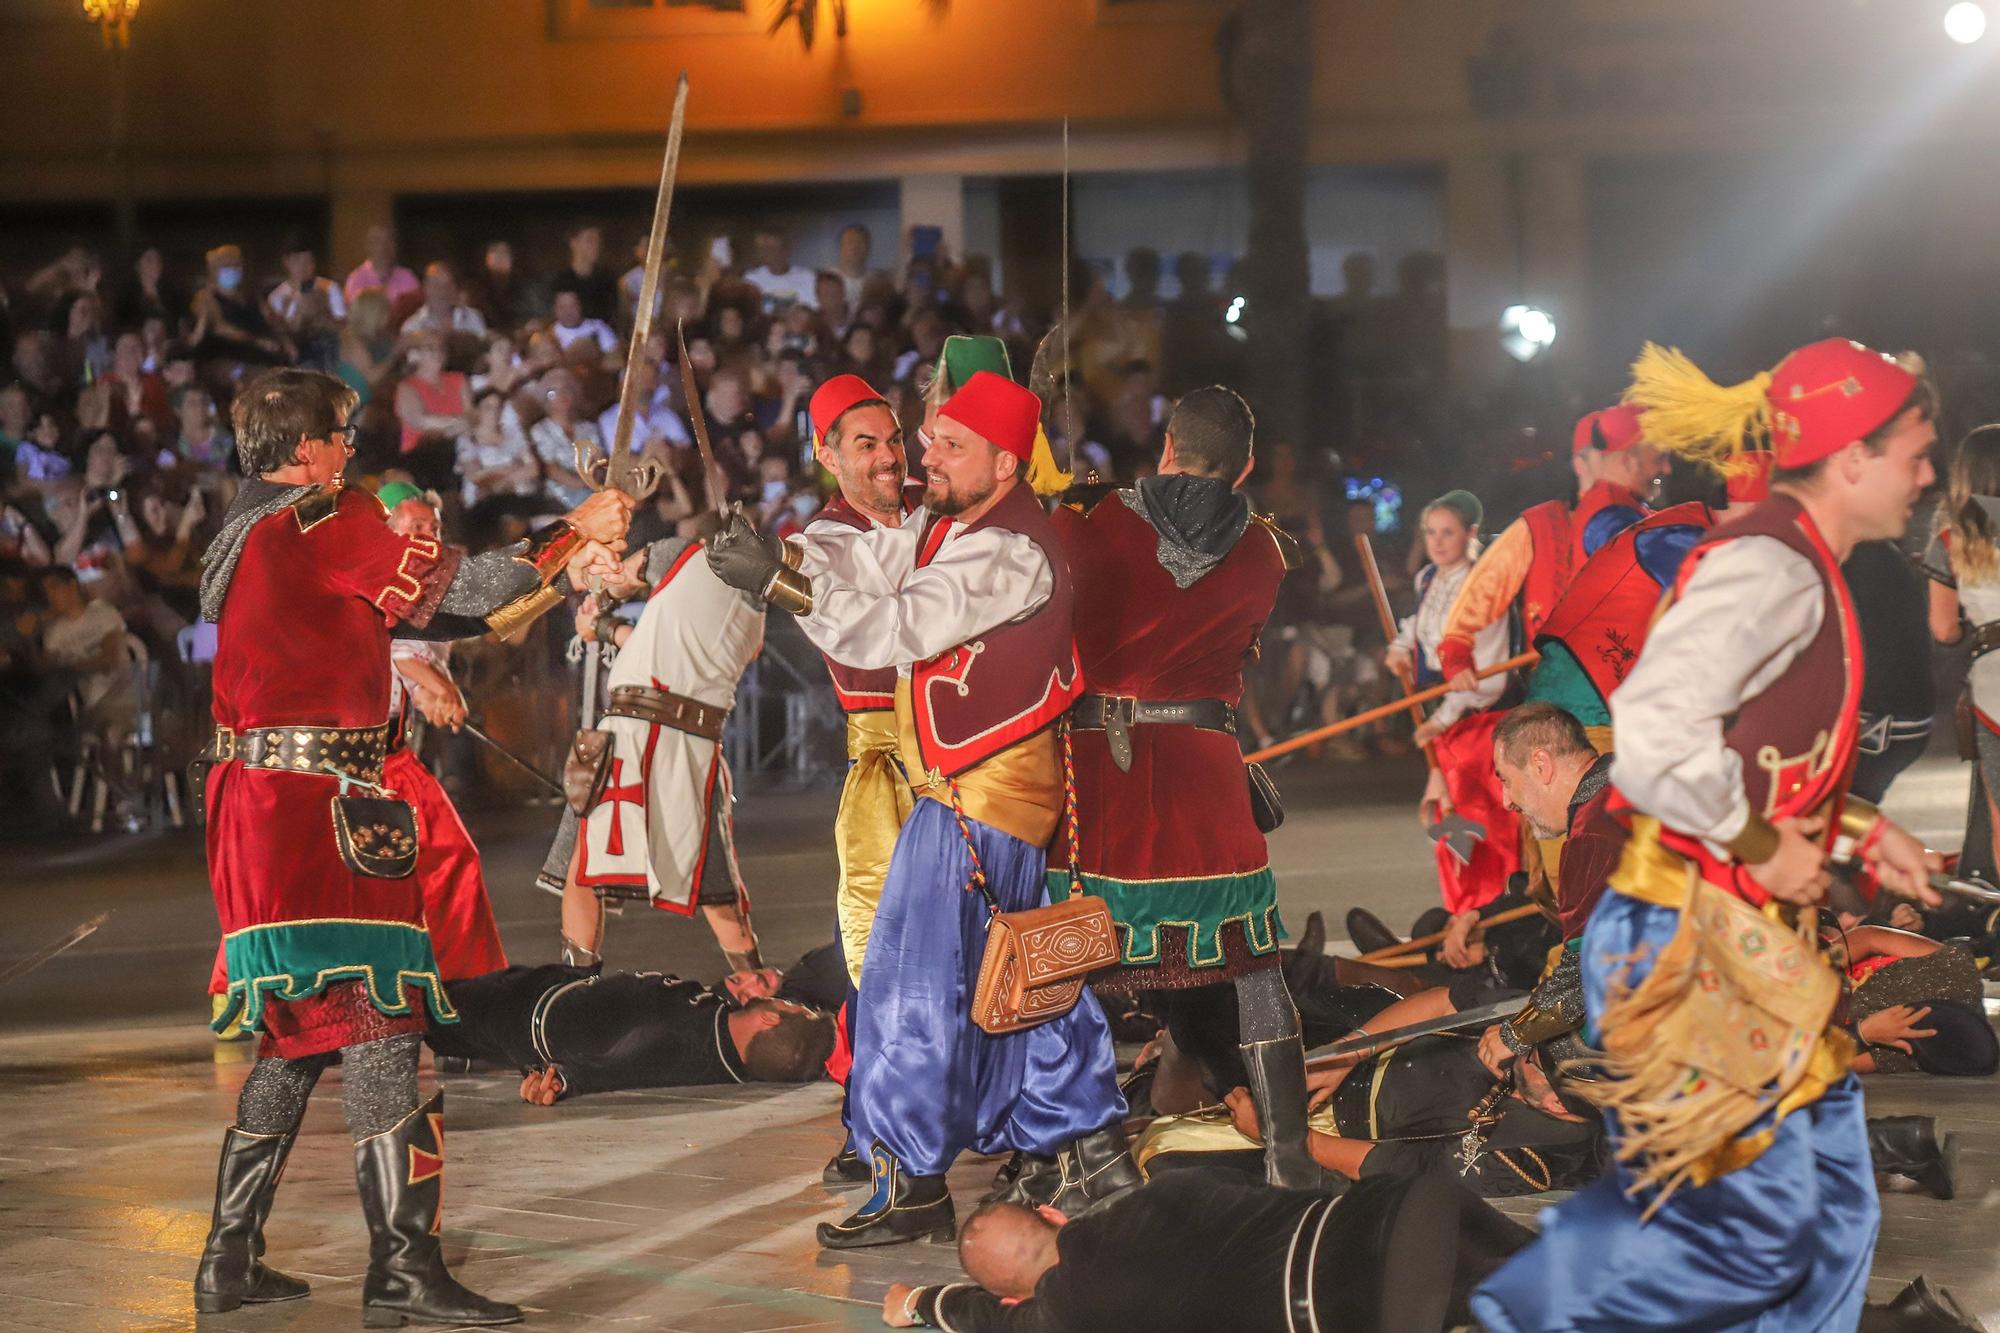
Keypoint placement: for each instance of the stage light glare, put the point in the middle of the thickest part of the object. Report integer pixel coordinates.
(1234, 314)
(1526, 331)
(1965, 22)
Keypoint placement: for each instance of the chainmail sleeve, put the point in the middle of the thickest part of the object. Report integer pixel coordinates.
(1555, 1006)
(488, 581)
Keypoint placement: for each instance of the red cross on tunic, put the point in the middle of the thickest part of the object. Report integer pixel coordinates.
(615, 795)
(429, 1165)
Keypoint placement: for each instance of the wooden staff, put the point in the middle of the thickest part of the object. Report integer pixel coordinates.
(1393, 955)
(1376, 714)
(1366, 549)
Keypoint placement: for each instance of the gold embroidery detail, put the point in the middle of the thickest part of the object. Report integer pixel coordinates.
(1797, 769)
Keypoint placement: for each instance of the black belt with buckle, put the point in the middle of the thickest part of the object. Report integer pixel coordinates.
(1116, 715)
(353, 752)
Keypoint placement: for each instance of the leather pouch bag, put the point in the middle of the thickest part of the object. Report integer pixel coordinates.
(586, 770)
(1035, 962)
(376, 835)
(1267, 807)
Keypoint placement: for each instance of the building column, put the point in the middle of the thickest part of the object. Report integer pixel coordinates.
(934, 200)
(1555, 252)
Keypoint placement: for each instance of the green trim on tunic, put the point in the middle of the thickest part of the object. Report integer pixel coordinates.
(1560, 680)
(1204, 905)
(293, 960)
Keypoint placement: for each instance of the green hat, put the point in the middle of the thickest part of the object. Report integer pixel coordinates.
(396, 492)
(966, 354)
(1463, 503)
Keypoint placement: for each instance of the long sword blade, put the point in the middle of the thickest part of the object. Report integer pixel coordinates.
(1368, 1042)
(43, 954)
(698, 419)
(515, 759)
(649, 292)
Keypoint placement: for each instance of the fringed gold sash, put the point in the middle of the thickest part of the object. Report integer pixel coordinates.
(1730, 1024)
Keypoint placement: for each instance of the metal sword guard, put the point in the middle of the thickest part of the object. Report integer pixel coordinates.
(642, 476)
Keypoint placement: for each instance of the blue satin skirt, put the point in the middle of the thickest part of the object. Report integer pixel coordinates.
(1780, 1246)
(927, 1083)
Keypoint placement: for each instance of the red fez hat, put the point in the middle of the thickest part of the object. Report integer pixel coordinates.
(836, 396)
(1614, 430)
(998, 409)
(1813, 404)
(1829, 394)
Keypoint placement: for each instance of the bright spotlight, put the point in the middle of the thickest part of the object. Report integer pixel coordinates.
(1965, 22)
(1234, 314)
(1526, 331)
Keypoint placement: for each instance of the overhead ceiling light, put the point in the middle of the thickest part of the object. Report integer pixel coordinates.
(1965, 22)
(1526, 331)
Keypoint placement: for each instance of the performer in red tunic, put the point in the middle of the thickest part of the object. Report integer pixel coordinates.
(310, 856)
(1175, 579)
(1531, 562)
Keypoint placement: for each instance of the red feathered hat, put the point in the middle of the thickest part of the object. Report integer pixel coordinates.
(1829, 394)
(998, 409)
(836, 396)
(1813, 404)
(1614, 430)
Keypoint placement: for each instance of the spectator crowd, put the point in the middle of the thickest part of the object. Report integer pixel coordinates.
(117, 464)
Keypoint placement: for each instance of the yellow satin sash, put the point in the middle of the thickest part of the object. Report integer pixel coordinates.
(874, 802)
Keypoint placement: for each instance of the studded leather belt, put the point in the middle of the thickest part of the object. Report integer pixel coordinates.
(664, 708)
(354, 752)
(1116, 715)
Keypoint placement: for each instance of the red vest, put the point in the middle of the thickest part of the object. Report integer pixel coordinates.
(1604, 617)
(1557, 534)
(979, 698)
(1797, 738)
(858, 691)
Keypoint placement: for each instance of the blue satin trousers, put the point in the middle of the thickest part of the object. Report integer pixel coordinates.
(1780, 1246)
(927, 1083)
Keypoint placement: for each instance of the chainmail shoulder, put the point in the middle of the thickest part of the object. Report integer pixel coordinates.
(1185, 564)
(485, 582)
(660, 557)
(256, 500)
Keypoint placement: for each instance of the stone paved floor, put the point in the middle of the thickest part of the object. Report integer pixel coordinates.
(687, 1210)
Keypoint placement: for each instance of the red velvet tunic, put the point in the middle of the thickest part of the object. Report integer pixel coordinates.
(1171, 844)
(303, 639)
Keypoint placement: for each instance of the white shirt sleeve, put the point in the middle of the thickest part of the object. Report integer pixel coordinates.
(873, 608)
(1747, 612)
(1489, 645)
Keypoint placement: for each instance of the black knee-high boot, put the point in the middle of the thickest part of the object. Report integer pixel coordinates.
(401, 1175)
(1275, 1058)
(232, 1271)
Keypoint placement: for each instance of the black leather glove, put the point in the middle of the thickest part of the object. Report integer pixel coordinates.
(741, 557)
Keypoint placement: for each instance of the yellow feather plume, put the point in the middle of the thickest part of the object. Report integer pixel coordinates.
(1689, 414)
(1044, 477)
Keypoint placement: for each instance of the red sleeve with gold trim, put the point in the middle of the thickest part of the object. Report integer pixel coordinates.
(358, 554)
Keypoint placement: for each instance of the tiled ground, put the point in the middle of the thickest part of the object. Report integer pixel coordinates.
(676, 1211)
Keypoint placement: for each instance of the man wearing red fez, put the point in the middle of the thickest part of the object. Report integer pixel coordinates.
(857, 439)
(1528, 566)
(310, 854)
(1743, 1196)
(970, 602)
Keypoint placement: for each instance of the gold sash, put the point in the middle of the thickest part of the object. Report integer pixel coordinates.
(1018, 791)
(874, 801)
(1730, 1024)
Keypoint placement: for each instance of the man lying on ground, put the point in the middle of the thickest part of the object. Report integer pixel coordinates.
(1204, 1250)
(574, 1030)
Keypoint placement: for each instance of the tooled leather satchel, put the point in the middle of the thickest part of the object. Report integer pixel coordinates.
(1036, 960)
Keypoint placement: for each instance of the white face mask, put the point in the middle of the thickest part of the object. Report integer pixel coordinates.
(805, 504)
(229, 279)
